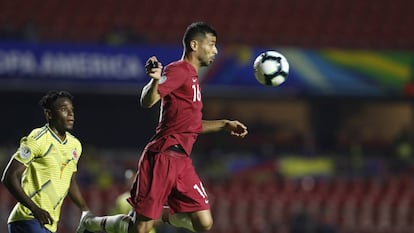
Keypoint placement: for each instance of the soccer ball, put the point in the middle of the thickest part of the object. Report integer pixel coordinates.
(271, 68)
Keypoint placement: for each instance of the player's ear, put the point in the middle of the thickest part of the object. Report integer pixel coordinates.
(194, 45)
(48, 114)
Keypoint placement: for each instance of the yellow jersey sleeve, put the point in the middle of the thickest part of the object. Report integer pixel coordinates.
(28, 150)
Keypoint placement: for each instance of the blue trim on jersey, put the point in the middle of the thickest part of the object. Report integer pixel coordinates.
(56, 137)
(27, 226)
(48, 182)
(48, 150)
(40, 133)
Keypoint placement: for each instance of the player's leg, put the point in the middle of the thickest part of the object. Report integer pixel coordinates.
(116, 224)
(141, 224)
(188, 200)
(199, 221)
(202, 220)
(149, 191)
(110, 224)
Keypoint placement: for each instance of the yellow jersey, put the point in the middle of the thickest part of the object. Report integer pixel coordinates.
(50, 164)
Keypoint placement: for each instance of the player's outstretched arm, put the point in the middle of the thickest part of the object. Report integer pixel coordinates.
(12, 180)
(235, 128)
(75, 194)
(149, 94)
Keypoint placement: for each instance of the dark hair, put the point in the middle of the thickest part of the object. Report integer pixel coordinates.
(47, 101)
(196, 30)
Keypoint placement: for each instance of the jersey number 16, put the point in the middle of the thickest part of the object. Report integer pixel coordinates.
(196, 92)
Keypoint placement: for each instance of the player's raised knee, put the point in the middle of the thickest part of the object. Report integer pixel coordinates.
(202, 221)
(204, 225)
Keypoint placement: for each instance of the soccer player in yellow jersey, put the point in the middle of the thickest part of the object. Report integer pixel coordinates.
(42, 171)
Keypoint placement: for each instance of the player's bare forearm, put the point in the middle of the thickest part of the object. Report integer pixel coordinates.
(235, 128)
(210, 126)
(12, 180)
(75, 194)
(149, 94)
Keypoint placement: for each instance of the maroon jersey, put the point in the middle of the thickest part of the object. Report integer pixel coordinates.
(181, 106)
(166, 175)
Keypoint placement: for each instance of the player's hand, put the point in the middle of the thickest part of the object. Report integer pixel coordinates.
(153, 68)
(43, 216)
(236, 128)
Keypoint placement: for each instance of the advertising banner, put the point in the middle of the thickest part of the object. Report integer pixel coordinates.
(91, 67)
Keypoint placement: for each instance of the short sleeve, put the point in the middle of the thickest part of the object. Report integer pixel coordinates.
(28, 150)
(173, 77)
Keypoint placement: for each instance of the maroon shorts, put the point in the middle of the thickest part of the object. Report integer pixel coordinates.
(167, 177)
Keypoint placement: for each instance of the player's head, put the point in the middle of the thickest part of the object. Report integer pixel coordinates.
(200, 39)
(58, 109)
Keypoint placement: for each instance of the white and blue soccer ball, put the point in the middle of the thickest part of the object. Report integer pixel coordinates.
(271, 68)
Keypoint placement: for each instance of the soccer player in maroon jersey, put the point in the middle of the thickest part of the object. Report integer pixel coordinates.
(165, 171)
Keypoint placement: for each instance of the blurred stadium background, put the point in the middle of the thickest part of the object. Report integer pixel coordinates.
(329, 151)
